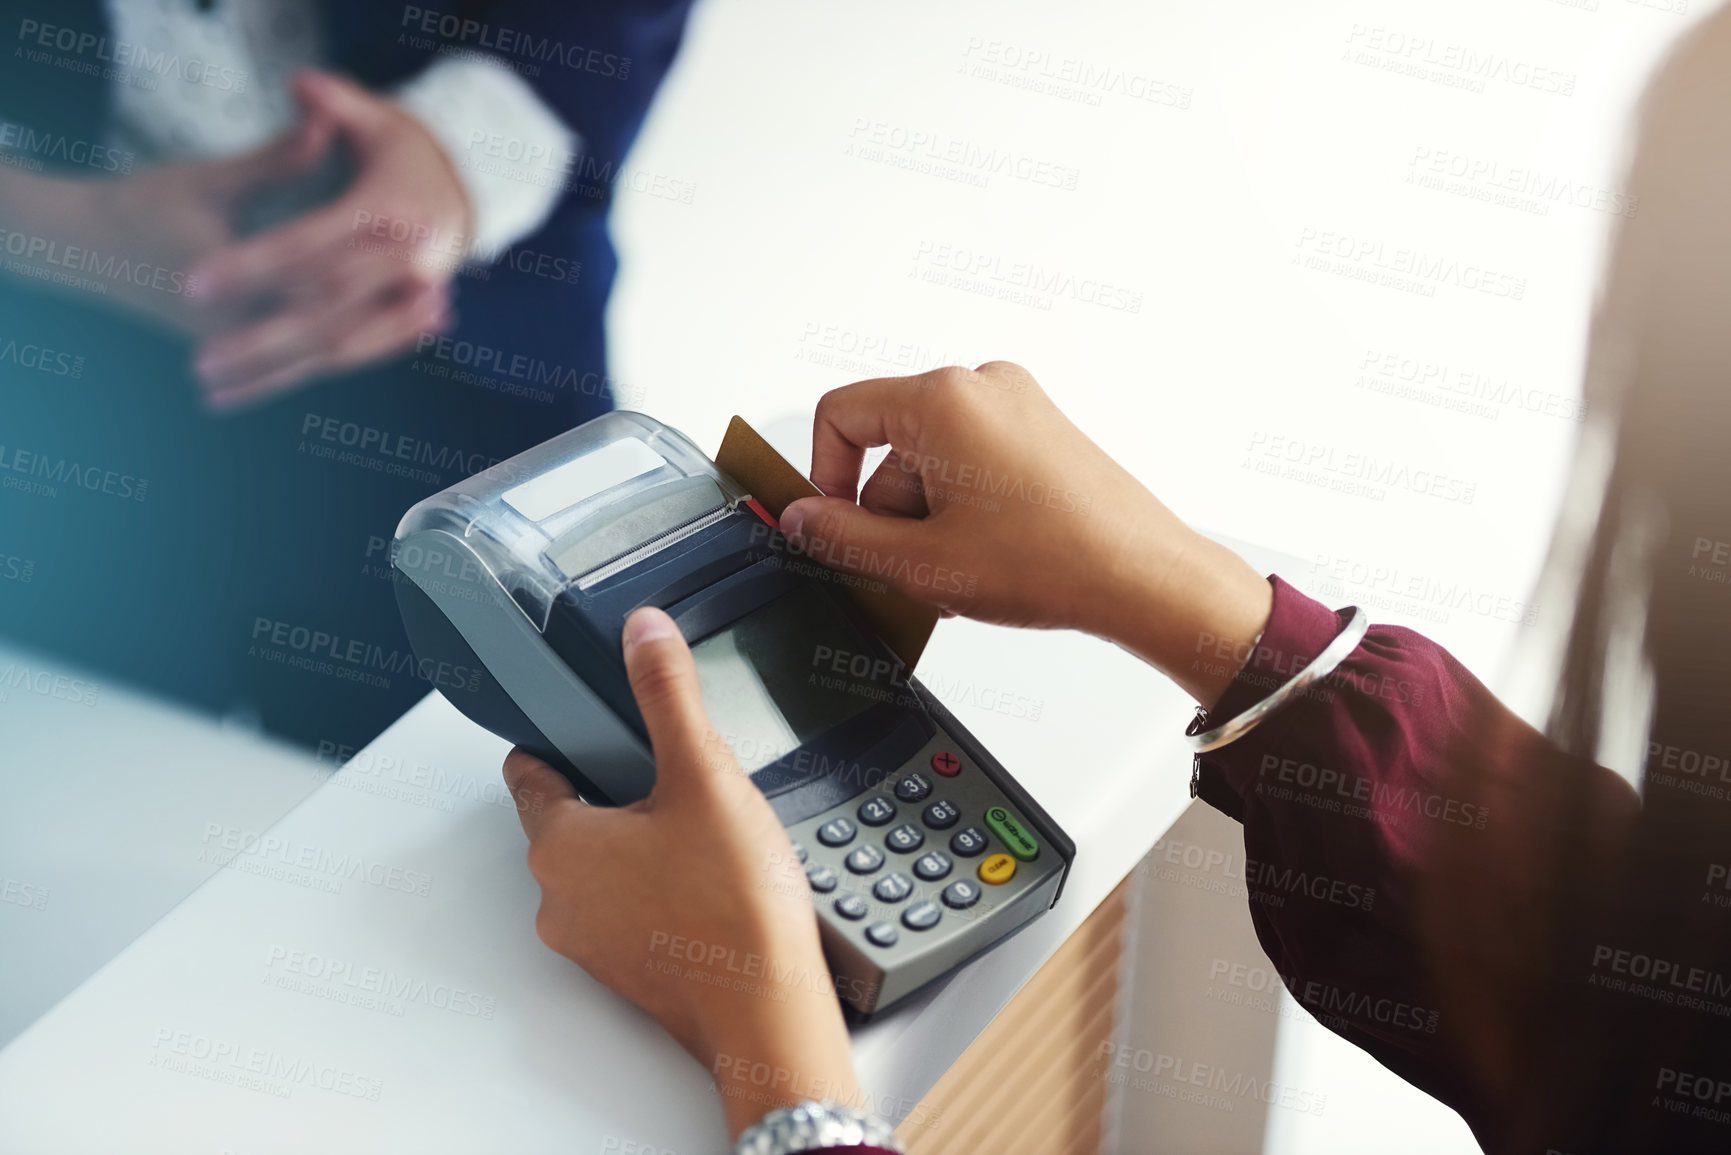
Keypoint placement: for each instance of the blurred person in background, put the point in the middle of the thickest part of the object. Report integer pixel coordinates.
(271, 271)
(1537, 940)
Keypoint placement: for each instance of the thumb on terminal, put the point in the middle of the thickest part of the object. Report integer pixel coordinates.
(663, 678)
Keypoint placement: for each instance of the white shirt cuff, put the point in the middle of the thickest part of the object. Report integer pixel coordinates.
(511, 152)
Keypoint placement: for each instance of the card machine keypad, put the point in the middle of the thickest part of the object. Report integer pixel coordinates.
(914, 867)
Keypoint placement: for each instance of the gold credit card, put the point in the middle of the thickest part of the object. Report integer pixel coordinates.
(904, 624)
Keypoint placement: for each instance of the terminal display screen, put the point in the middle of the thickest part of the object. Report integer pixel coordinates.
(768, 680)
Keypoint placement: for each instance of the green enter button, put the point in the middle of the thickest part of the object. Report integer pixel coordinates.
(1011, 833)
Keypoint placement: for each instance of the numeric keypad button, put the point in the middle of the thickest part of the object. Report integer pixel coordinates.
(931, 866)
(968, 841)
(823, 879)
(837, 832)
(921, 916)
(882, 934)
(962, 893)
(941, 815)
(914, 787)
(864, 859)
(893, 887)
(878, 811)
(851, 907)
(905, 839)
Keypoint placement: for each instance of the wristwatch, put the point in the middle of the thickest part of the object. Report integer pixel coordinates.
(814, 1126)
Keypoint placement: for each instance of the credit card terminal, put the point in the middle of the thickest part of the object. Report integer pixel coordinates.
(919, 848)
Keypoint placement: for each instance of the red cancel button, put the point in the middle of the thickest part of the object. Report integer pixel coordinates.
(946, 763)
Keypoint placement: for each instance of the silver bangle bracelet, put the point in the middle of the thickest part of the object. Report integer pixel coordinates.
(813, 1126)
(1323, 665)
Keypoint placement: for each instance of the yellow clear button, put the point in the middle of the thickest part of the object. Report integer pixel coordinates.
(997, 870)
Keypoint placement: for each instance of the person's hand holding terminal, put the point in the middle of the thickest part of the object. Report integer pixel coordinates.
(639, 896)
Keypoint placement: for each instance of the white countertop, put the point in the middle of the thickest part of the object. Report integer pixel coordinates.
(229, 1026)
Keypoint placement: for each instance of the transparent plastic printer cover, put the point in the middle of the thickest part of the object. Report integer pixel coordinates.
(513, 513)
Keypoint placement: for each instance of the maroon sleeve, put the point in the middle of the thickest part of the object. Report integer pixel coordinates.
(1341, 793)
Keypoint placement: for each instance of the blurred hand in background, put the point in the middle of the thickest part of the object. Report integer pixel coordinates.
(350, 282)
(342, 285)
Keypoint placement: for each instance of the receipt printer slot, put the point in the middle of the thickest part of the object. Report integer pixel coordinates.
(635, 522)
